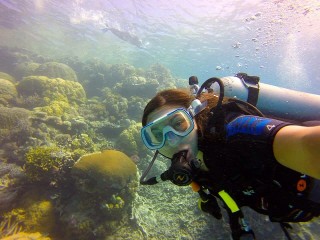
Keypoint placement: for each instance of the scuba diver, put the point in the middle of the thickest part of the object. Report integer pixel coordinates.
(193, 85)
(227, 149)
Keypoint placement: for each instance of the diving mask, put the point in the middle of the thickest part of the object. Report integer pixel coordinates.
(177, 123)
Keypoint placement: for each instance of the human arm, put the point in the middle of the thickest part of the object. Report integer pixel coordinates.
(298, 148)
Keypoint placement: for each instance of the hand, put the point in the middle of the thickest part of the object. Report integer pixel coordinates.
(247, 235)
(211, 206)
(243, 235)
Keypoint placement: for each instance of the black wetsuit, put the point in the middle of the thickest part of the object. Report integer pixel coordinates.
(244, 166)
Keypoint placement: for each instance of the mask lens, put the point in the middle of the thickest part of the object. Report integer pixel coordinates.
(178, 122)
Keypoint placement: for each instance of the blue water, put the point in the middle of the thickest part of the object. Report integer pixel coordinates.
(276, 40)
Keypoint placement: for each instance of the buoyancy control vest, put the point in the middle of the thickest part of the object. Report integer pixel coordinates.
(287, 194)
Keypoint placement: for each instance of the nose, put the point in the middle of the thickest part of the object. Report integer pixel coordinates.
(172, 139)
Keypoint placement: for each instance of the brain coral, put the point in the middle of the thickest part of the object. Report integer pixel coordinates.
(56, 70)
(104, 172)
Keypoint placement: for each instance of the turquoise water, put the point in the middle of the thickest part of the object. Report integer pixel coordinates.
(100, 61)
(276, 40)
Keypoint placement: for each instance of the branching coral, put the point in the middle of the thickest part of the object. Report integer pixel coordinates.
(116, 105)
(9, 225)
(47, 164)
(36, 216)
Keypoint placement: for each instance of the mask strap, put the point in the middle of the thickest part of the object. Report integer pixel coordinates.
(196, 107)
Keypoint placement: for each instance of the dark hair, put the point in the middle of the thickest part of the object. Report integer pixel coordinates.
(193, 80)
(182, 98)
(174, 97)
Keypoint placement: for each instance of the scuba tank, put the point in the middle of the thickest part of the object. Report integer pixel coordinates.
(272, 101)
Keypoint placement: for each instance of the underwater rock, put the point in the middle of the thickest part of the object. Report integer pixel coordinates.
(56, 70)
(8, 92)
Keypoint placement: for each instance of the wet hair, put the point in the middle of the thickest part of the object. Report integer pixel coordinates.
(182, 98)
(193, 80)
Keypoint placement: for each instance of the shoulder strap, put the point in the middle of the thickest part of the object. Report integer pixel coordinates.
(224, 113)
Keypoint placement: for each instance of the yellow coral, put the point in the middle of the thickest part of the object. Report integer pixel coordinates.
(34, 213)
(26, 236)
(130, 141)
(40, 217)
(57, 94)
(109, 169)
(42, 163)
(55, 108)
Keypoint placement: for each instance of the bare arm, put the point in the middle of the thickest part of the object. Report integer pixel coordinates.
(298, 148)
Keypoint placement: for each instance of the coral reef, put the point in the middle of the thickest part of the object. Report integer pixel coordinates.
(8, 92)
(104, 173)
(135, 85)
(6, 76)
(11, 179)
(25, 69)
(15, 125)
(33, 213)
(52, 89)
(130, 141)
(76, 108)
(56, 70)
(54, 96)
(26, 236)
(116, 105)
(47, 165)
(106, 184)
